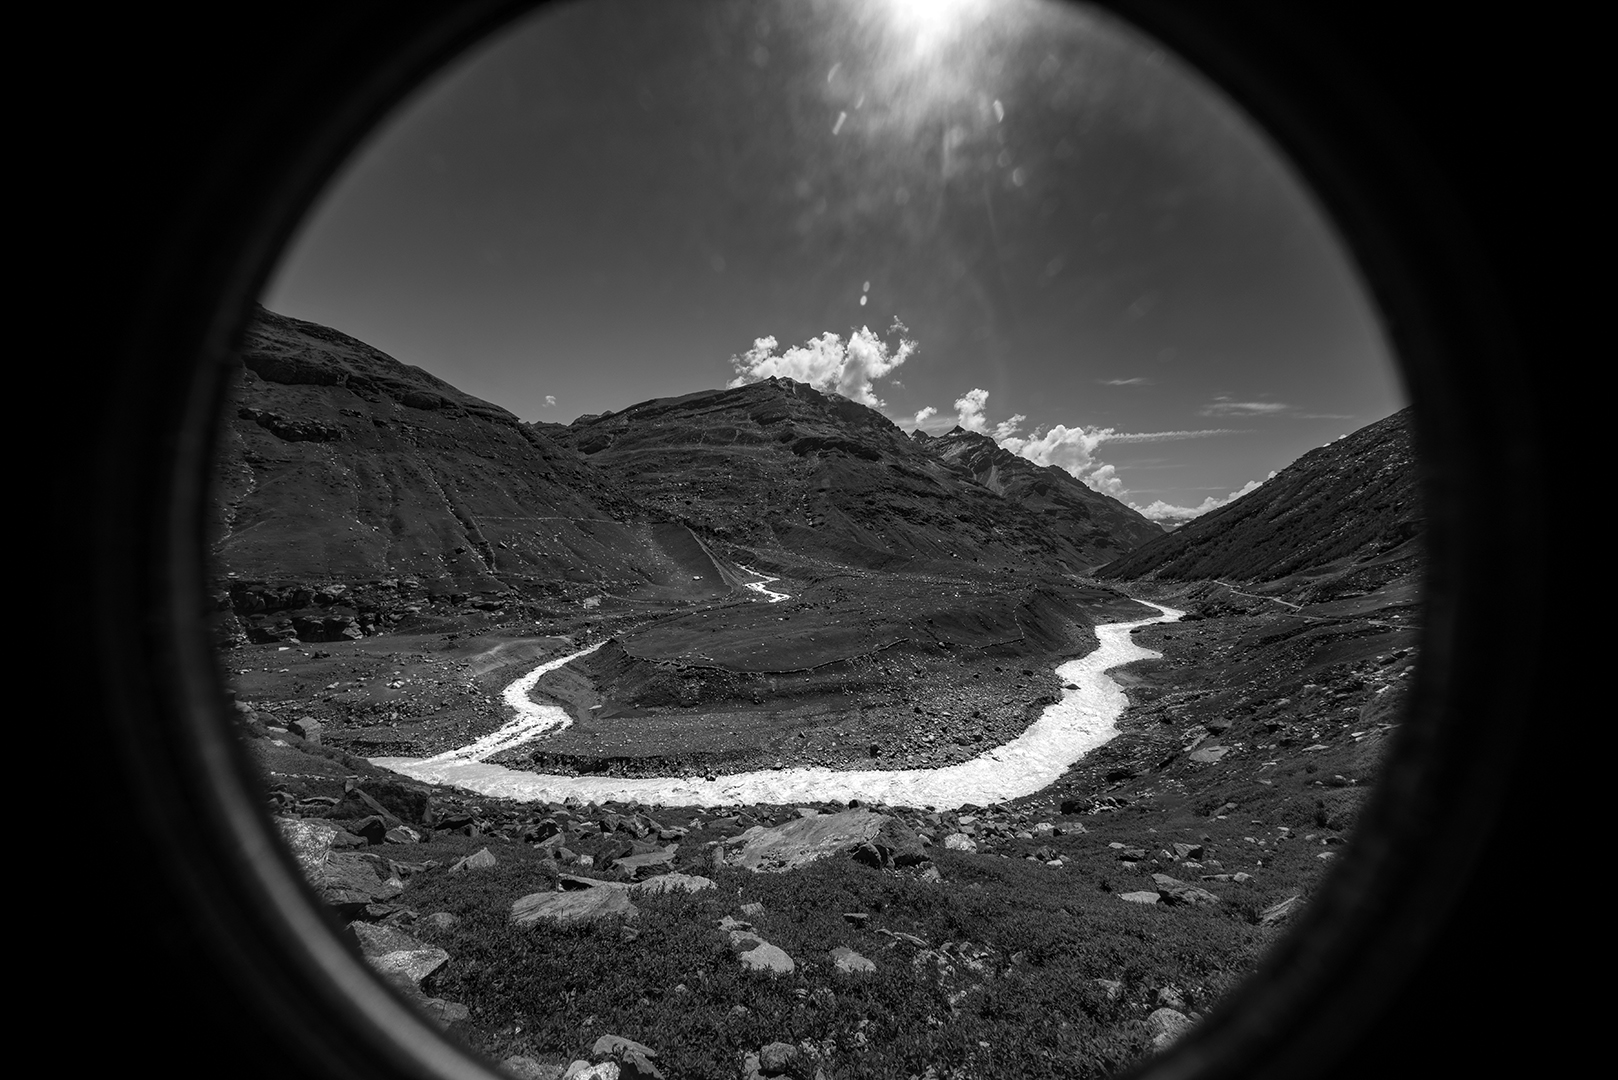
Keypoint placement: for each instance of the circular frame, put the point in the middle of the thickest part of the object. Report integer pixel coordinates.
(255, 131)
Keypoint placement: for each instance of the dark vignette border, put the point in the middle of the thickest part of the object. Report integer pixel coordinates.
(212, 137)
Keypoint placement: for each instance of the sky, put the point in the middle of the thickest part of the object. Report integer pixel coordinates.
(1019, 216)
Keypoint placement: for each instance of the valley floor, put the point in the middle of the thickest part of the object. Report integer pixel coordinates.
(1061, 932)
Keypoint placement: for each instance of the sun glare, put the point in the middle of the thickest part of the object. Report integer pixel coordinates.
(930, 21)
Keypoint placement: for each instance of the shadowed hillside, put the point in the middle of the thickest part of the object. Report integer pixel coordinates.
(800, 475)
(1072, 509)
(1349, 508)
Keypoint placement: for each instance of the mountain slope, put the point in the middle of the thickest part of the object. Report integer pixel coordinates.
(1070, 507)
(1353, 502)
(341, 464)
(793, 473)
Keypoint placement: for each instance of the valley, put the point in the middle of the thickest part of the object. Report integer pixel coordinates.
(849, 752)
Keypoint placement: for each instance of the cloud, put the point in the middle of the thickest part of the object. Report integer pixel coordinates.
(1166, 512)
(827, 362)
(1168, 436)
(1125, 382)
(923, 414)
(969, 409)
(1224, 405)
(550, 401)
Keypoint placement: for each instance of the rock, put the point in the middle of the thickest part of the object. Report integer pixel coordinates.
(480, 860)
(850, 962)
(569, 908)
(606, 1070)
(1178, 892)
(676, 882)
(767, 958)
(306, 729)
(1278, 912)
(1188, 851)
(1111, 987)
(804, 840)
(1131, 854)
(633, 1058)
(1208, 755)
(395, 954)
(647, 863)
(960, 842)
(1140, 897)
(776, 1058)
(1169, 997)
(401, 834)
(858, 918)
(441, 920)
(522, 1067)
(754, 909)
(931, 875)
(1165, 1025)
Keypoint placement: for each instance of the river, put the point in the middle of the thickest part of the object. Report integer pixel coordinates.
(1082, 720)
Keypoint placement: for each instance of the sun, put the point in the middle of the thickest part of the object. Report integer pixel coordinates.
(930, 21)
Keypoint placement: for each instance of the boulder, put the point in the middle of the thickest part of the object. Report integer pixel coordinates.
(805, 839)
(960, 842)
(850, 962)
(675, 882)
(1178, 892)
(648, 863)
(480, 860)
(633, 1059)
(1140, 897)
(1165, 1025)
(569, 908)
(396, 955)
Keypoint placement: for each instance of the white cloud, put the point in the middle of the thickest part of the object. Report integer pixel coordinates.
(1137, 381)
(969, 409)
(550, 401)
(827, 362)
(1162, 511)
(922, 415)
(1225, 405)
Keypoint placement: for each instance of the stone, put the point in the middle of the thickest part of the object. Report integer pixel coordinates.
(480, 860)
(960, 842)
(1113, 988)
(570, 908)
(522, 1067)
(1209, 755)
(767, 958)
(396, 955)
(401, 834)
(606, 1070)
(1281, 911)
(1165, 1025)
(634, 1059)
(674, 882)
(850, 962)
(1188, 851)
(804, 839)
(306, 729)
(1178, 892)
(441, 920)
(646, 864)
(776, 1058)
(753, 909)
(1140, 897)
(1169, 997)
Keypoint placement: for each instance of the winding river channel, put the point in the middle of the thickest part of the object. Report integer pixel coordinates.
(1085, 718)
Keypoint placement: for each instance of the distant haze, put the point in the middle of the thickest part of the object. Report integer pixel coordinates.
(1089, 254)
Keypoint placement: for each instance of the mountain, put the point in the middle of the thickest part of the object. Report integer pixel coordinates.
(350, 487)
(1343, 517)
(1070, 508)
(801, 476)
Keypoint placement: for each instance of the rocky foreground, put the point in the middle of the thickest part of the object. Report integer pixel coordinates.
(1068, 933)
